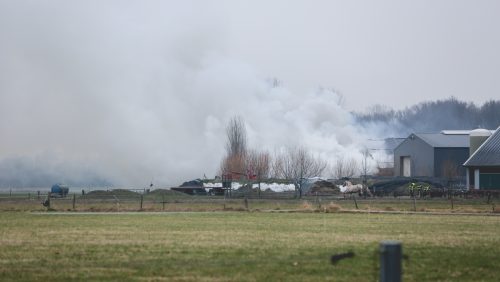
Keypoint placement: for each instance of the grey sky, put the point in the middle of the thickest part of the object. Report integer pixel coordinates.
(126, 89)
(392, 52)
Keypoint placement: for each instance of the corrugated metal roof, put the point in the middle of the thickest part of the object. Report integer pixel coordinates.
(439, 140)
(488, 154)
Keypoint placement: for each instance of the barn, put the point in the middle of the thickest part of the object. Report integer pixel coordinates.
(432, 154)
(483, 166)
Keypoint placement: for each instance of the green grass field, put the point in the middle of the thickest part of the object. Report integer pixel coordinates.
(242, 246)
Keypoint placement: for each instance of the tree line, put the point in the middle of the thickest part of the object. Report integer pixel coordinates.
(434, 116)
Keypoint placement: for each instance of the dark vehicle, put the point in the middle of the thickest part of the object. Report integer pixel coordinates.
(59, 191)
(193, 187)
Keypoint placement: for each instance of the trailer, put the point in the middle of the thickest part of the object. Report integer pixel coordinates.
(59, 191)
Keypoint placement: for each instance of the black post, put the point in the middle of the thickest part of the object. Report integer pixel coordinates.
(163, 201)
(390, 261)
(142, 197)
(48, 201)
(74, 201)
(38, 195)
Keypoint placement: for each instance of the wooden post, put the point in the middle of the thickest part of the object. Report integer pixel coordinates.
(225, 192)
(38, 195)
(318, 201)
(414, 204)
(142, 198)
(10, 193)
(29, 196)
(451, 201)
(355, 202)
(74, 201)
(48, 201)
(163, 201)
(246, 203)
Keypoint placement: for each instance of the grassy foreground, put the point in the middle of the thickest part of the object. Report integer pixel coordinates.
(242, 246)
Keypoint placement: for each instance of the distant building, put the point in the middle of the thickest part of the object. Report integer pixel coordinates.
(432, 155)
(483, 166)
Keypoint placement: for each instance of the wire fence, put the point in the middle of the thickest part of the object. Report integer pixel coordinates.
(167, 200)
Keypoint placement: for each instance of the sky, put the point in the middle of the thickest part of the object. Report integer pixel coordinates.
(137, 91)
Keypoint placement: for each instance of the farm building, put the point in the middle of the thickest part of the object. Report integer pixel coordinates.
(432, 154)
(483, 166)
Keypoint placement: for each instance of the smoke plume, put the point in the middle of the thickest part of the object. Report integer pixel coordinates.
(120, 97)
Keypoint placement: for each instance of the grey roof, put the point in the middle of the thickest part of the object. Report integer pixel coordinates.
(392, 143)
(439, 140)
(488, 153)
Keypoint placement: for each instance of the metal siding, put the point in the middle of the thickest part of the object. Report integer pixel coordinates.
(489, 181)
(421, 154)
(456, 155)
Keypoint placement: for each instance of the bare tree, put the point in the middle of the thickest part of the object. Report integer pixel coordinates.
(345, 168)
(450, 171)
(236, 147)
(296, 164)
(236, 137)
(259, 164)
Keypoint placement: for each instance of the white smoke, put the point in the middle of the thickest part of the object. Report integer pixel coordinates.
(83, 97)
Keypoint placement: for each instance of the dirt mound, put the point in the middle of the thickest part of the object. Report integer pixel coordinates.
(119, 193)
(323, 186)
(167, 193)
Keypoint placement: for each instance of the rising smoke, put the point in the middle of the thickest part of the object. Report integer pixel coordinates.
(96, 98)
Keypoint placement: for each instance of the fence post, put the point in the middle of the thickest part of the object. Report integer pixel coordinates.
(10, 193)
(163, 201)
(48, 201)
(246, 203)
(74, 201)
(390, 261)
(38, 195)
(355, 202)
(414, 204)
(451, 200)
(142, 198)
(29, 196)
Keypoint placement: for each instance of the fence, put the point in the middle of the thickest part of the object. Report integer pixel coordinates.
(166, 200)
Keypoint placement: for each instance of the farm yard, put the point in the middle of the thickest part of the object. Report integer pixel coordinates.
(177, 237)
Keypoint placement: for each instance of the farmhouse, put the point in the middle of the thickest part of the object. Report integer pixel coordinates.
(432, 154)
(483, 166)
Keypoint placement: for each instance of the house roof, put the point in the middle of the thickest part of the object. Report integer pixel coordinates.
(488, 154)
(439, 140)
